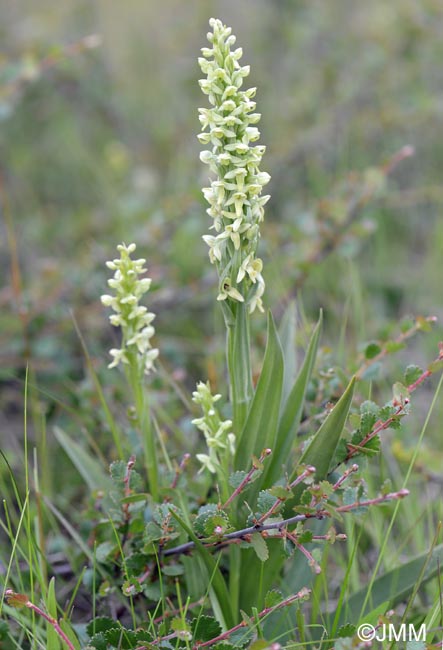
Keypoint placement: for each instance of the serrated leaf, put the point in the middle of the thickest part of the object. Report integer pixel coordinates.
(265, 501)
(152, 533)
(273, 598)
(372, 349)
(260, 547)
(217, 525)
(394, 346)
(118, 471)
(204, 514)
(135, 563)
(98, 641)
(143, 637)
(280, 492)
(399, 393)
(121, 638)
(100, 624)
(178, 624)
(131, 587)
(346, 630)
(236, 479)
(412, 373)
(104, 550)
(369, 414)
(260, 429)
(305, 537)
(205, 628)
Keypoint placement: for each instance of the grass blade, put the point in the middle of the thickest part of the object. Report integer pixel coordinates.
(92, 472)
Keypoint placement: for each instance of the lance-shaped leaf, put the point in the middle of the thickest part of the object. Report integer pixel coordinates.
(292, 412)
(261, 424)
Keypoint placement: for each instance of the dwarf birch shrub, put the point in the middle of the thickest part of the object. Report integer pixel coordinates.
(222, 545)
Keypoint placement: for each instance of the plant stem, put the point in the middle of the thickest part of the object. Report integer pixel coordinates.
(239, 365)
(144, 420)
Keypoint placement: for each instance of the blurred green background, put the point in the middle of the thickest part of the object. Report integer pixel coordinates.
(98, 145)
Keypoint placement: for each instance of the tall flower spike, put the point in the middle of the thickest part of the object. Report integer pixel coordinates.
(236, 203)
(133, 318)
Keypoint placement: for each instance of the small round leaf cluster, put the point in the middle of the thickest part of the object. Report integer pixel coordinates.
(133, 318)
(218, 433)
(235, 196)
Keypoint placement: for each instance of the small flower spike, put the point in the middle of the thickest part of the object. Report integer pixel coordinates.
(134, 319)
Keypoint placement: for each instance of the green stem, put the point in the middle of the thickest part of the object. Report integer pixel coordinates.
(239, 365)
(146, 430)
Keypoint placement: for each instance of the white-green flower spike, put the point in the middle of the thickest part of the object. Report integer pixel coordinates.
(236, 203)
(133, 318)
(218, 433)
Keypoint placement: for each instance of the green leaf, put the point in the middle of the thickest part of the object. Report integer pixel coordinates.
(372, 349)
(98, 641)
(412, 373)
(259, 644)
(265, 501)
(395, 586)
(346, 630)
(121, 638)
(205, 628)
(260, 427)
(394, 346)
(100, 624)
(204, 514)
(92, 472)
(399, 393)
(287, 333)
(436, 366)
(131, 587)
(322, 448)
(52, 638)
(260, 547)
(118, 470)
(236, 479)
(292, 412)
(173, 570)
(103, 551)
(273, 598)
(152, 533)
(217, 589)
(369, 414)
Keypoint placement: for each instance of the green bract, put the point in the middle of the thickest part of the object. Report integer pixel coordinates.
(133, 318)
(235, 196)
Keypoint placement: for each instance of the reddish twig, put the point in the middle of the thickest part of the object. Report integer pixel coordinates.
(255, 467)
(21, 600)
(400, 339)
(307, 472)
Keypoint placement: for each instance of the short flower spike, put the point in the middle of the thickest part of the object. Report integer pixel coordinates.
(133, 318)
